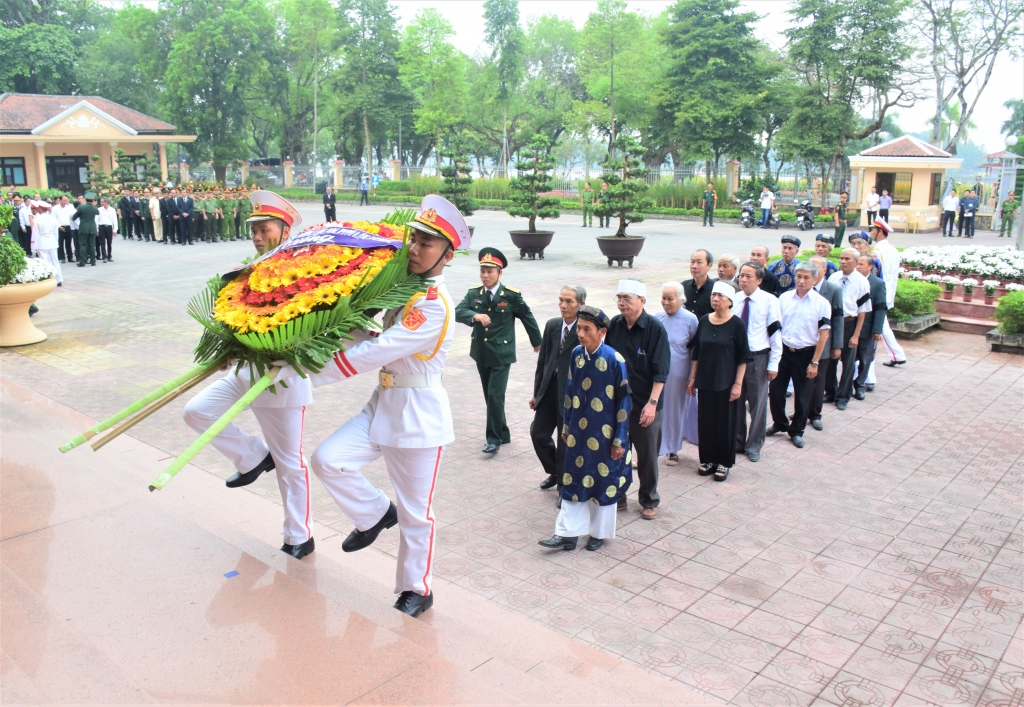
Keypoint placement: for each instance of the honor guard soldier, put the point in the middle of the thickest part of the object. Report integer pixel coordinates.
(784, 269)
(281, 414)
(492, 311)
(408, 419)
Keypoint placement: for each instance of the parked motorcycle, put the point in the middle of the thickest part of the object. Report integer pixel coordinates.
(773, 220)
(805, 216)
(747, 213)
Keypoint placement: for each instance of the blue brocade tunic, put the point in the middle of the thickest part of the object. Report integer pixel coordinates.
(597, 406)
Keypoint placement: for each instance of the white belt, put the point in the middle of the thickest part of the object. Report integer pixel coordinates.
(393, 380)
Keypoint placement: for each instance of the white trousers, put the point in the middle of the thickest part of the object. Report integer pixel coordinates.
(282, 429)
(50, 256)
(586, 518)
(413, 471)
(891, 343)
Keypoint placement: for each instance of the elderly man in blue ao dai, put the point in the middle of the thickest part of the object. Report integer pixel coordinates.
(596, 433)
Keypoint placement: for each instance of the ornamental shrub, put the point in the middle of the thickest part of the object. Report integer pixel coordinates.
(534, 179)
(913, 297)
(626, 198)
(6, 216)
(1010, 313)
(12, 260)
(457, 178)
(390, 186)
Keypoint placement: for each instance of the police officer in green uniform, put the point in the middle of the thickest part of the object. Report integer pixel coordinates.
(587, 197)
(492, 311)
(1008, 212)
(841, 218)
(709, 201)
(244, 211)
(200, 217)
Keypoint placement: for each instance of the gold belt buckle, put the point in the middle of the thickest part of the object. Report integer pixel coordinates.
(387, 380)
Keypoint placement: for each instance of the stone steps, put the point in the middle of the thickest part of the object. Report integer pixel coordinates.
(976, 308)
(967, 325)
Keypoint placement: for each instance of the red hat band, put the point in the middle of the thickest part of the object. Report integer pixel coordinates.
(267, 210)
(430, 218)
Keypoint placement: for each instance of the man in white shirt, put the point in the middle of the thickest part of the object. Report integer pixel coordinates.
(767, 204)
(890, 259)
(949, 206)
(871, 204)
(45, 237)
(856, 304)
(106, 223)
(63, 211)
(760, 313)
(805, 328)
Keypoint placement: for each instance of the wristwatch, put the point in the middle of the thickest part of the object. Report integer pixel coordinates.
(653, 401)
(814, 363)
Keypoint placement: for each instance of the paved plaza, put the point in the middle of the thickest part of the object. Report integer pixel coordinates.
(880, 565)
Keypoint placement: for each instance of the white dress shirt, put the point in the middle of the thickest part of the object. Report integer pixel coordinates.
(44, 232)
(803, 317)
(767, 199)
(63, 214)
(951, 202)
(872, 202)
(764, 324)
(25, 215)
(566, 330)
(107, 217)
(890, 259)
(856, 292)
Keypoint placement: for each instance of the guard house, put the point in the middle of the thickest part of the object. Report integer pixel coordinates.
(913, 172)
(48, 141)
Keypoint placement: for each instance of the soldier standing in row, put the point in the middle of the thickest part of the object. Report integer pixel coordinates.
(492, 311)
(244, 210)
(710, 202)
(86, 214)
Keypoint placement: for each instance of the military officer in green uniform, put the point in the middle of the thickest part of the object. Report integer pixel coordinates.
(199, 216)
(492, 311)
(1008, 214)
(86, 215)
(709, 201)
(587, 197)
(244, 211)
(844, 197)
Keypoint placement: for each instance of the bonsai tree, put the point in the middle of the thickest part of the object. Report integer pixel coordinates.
(457, 179)
(626, 185)
(534, 179)
(99, 180)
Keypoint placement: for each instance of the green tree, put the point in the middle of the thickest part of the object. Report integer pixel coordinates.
(37, 59)
(1015, 124)
(218, 52)
(534, 179)
(432, 69)
(110, 65)
(627, 184)
(457, 177)
(715, 82)
(503, 34)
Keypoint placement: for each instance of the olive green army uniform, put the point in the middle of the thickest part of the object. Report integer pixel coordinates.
(244, 211)
(1008, 213)
(86, 215)
(493, 346)
(587, 197)
(709, 206)
(841, 228)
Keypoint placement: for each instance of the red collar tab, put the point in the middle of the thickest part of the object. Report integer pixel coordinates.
(432, 292)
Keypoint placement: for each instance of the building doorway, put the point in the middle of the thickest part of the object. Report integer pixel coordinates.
(69, 174)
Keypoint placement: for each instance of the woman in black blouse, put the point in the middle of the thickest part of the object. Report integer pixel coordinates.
(720, 357)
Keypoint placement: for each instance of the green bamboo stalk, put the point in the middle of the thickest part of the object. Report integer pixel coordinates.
(214, 430)
(135, 407)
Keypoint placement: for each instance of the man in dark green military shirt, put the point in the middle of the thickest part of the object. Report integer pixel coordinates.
(709, 201)
(86, 215)
(492, 311)
(844, 197)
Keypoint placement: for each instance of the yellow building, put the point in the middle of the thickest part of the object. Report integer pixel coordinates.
(913, 172)
(48, 141)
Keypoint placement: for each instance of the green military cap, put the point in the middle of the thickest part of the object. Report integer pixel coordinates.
(493, 257)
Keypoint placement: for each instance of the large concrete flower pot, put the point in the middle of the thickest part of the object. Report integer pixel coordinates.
(531, 243)
(16, 328)
(620, 249)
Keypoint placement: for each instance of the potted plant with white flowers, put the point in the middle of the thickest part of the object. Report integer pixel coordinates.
(990, 290)
(949, 283)
(22, 282)
(968, 284)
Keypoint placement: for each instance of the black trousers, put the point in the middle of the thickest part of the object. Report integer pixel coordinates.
(168, 224)
(184, 229)
(65, 244)
(494, 380)
(717, 421)
(25, 239)
(105, 242)
(884, 214)
(364, 196)
(960, 224)
(330, 213)
(848, 359)
(968, 225)
(793, 366)
(147, 228)
(865, 357)
(646, 441)
(871, 217)
(547, 419)
(127, 225)
(948, 219)
(825, 383)
(137, 227)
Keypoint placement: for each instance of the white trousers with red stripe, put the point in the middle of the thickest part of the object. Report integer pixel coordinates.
(337, 462)
(891, 342)
(282, 429)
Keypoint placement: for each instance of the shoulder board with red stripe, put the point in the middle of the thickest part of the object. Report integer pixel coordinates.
(431, 292)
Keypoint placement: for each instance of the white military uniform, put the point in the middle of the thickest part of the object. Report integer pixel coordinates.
(407, 420)
(890, 259)
(281, 415)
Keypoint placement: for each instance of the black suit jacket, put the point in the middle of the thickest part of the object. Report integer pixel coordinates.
(172, 206)
(185, 207)
(834, 295)
(330, 199)
(874, 321)
(550, 360)
(125, 206)
(165, 211)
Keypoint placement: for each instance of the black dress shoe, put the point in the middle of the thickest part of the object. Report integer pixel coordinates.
(557, 542)
(893, 364)
(841, 404)
(549, 482)
(870, 388)
(490, 448)
(774, 430)
(594, 543)
(414, 604)
(828, 399)
(358, 539)
(239, 479)
(816, 424)
(798, 442)
(858, 393)
(299, 551)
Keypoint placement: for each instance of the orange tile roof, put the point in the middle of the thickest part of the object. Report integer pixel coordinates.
(23, 112)
(906, 146)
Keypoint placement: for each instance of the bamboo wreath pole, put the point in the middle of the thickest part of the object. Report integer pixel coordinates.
(214, 429)
(136, 406)
(124, 427)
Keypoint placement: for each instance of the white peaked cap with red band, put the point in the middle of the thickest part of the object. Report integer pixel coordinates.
(268, 205)
(880, 223)
(439, 217)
